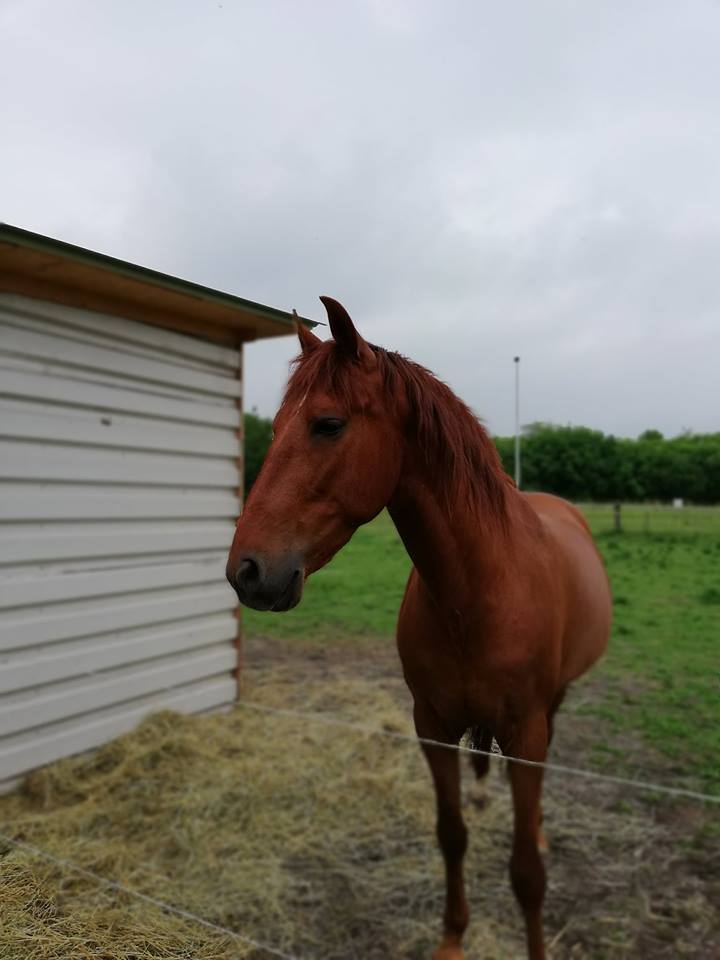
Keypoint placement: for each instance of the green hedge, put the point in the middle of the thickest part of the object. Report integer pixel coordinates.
(258, 434)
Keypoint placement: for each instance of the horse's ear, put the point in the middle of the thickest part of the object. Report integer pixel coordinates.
(308, 340)
(344, 333)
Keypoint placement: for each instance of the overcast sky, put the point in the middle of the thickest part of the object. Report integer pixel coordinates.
(472, 179)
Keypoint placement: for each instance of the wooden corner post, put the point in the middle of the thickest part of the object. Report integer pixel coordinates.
(240, 497)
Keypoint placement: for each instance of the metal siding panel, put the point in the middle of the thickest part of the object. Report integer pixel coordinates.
(24, 460)
(48, 502)
(80, 618)
(120, 474)
(75, 658)
(39, 706)
(98, 338)
(79, 375)
(19, 591)
(33, 748)
(35, 542)
(27, 421)
(69, 391)
(125, 330)
(115, 364)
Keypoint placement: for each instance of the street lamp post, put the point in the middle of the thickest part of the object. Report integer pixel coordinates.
(517, 422)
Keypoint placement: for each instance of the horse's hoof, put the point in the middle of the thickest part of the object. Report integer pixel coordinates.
(449, 950)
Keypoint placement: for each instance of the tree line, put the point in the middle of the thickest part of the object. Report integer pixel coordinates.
(582, 464)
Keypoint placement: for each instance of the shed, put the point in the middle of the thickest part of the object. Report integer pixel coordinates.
(121, 473)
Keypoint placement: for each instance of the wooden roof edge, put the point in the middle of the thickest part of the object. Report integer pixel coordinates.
(244, 319)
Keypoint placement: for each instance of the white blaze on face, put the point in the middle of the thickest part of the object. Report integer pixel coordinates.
(301, 404)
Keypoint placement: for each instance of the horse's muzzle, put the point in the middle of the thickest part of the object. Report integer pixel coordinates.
(264, 586)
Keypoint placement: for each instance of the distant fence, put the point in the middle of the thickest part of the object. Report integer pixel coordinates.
(653, 518)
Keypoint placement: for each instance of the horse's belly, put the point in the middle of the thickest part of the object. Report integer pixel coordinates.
(589, 616)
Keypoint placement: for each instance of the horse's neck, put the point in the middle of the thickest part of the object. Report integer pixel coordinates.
(454, 548)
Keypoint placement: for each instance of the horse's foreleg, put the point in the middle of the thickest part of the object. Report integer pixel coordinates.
(451, 832)
(526, 867)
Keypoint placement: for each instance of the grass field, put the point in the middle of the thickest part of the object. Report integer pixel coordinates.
(659, 678)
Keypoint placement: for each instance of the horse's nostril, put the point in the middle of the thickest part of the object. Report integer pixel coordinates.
(248, 571)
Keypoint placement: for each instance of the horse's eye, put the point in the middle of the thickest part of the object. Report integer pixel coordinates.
(327, 427)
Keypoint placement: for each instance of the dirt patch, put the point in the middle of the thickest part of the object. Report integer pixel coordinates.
(320, 840)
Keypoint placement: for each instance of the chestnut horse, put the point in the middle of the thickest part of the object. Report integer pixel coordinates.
(507, 601)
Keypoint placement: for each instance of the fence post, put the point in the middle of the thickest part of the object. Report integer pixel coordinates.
(617, 519)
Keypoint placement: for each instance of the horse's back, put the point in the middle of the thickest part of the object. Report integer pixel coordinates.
(588, 605)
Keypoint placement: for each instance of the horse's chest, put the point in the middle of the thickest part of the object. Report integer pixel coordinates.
(466, 671)
(457, 682)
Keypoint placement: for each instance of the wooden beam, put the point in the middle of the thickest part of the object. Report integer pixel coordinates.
(241, 494)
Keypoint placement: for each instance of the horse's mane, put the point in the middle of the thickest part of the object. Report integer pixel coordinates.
(454, 442)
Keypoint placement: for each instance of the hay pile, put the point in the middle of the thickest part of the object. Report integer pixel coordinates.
(317, 841)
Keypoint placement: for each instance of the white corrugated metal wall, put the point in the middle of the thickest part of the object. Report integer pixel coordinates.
(119, 475)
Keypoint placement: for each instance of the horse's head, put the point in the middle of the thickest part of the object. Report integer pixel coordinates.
(333, 464)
